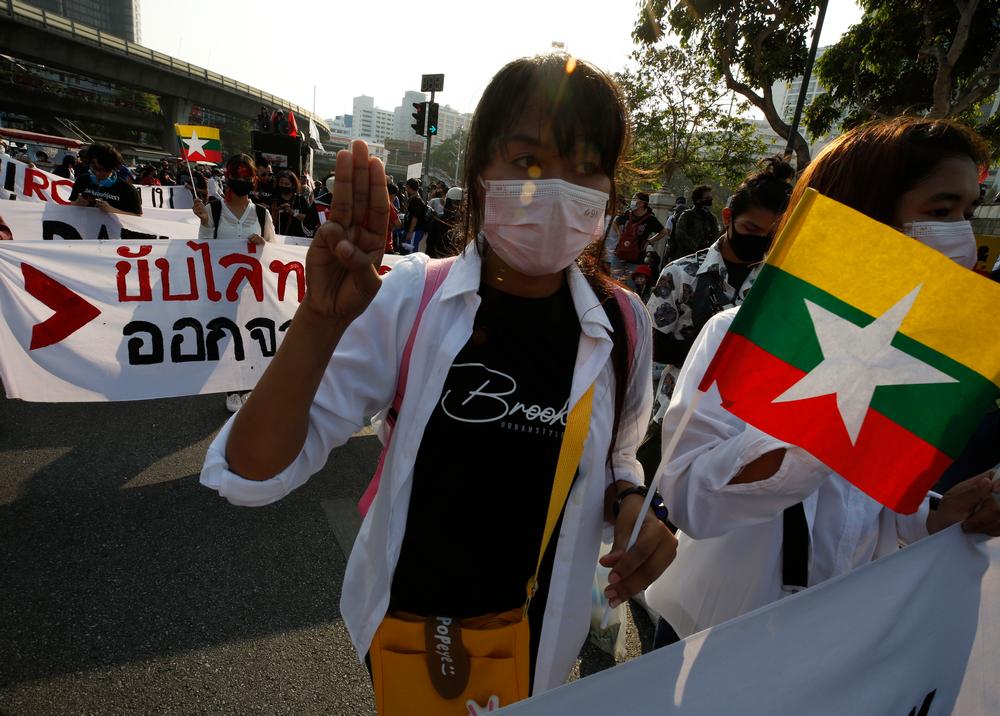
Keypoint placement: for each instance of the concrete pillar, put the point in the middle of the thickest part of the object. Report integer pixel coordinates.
(175, 111)
(661, 203)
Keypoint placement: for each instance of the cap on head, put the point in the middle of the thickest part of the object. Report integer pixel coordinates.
(455, 193)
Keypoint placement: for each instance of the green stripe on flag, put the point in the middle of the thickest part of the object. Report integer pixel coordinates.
(775, 317)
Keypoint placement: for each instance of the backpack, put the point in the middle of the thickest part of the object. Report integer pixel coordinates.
(437, 271)
(216, 208)
(628, 248)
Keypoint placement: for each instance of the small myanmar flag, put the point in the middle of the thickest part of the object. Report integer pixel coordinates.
(199, 143)
(874, 353)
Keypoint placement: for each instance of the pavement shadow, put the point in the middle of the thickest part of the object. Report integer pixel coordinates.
(98, 571)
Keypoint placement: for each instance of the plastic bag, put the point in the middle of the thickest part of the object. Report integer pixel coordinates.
(611, 639)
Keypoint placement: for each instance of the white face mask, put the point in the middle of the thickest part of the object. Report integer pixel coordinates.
(633, 205)
(540, 227)
(954, 239)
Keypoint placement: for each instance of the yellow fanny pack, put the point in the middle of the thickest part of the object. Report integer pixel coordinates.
(425, 666)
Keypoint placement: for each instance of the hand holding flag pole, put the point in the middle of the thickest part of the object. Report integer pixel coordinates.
(654, 485)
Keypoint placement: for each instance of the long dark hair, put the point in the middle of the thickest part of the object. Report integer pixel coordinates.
(583, 104)
(767, 188)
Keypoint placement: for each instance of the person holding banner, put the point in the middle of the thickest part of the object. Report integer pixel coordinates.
(102, 187)
(760, 517)
(515, 432)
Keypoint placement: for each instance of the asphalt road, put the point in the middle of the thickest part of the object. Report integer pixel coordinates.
(127, 588)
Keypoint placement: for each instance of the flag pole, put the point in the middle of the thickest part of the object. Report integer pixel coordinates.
(668, 455)
(194, 187)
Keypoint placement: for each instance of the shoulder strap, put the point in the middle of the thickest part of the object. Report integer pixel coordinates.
(437, 271)
(628, 316)
(570, 452)
(261, 212)
(216, 208)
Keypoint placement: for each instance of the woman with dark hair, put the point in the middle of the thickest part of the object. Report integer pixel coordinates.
(101, 186)
(762, 518)
(521, 357)
(292, 213)
(235, 217)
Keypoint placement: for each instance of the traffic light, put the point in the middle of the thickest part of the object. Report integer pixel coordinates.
(432, 118)
(420, 118)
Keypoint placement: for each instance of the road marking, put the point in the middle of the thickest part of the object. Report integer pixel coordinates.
(345, 522)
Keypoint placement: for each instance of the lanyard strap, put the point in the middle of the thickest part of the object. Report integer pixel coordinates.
(570, 452)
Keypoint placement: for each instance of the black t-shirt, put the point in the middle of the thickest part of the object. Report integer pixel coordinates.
(736, 273)
(264, 194)
(286, 224)
(120, 195)
(416, 208)
(484, 470)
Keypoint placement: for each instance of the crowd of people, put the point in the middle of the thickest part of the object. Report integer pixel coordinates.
(508, 360)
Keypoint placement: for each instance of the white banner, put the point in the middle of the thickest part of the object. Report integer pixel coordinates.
(31, 220)
(19, 181)
(913, 634)
(132, 320)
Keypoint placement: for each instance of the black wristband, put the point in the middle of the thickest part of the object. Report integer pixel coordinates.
(634, 490)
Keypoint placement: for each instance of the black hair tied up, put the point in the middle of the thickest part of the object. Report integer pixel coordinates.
(768, 188)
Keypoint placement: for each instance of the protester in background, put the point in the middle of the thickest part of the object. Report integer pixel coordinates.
(642, 279)
(235, 217)
(744, 500)
(680, 205)
(465, 482)
(291, 212)
(200, 191)
(264, 193)
(637, 228)
(148, 177)
(395, 222)
(416, 218)
(697, 227)
(102, 188)
(65, 168)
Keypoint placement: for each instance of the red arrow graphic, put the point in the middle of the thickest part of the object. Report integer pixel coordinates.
(71, 312)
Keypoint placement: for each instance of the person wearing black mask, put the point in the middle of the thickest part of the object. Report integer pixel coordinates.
(264, 191)
(697, 227)
(692, 289)
(292, 213)
(236, 217)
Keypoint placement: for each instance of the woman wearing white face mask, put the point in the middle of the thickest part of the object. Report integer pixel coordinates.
(761, 518)
(519, 371)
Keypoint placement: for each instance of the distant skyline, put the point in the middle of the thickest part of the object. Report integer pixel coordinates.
(345, 50)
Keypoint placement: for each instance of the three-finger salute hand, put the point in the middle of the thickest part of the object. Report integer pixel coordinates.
(342, 262)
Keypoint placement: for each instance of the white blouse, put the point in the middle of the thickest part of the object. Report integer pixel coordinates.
(237, 227)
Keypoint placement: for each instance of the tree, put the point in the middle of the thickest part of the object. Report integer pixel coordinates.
(946, 65)
(684, 120)
(749, 44)
(445, 155)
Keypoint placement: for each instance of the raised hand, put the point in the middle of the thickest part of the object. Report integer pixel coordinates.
(342, 262)
(200, 211)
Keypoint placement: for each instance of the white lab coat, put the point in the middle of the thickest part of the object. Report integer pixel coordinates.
(729, 549)
(361, 381)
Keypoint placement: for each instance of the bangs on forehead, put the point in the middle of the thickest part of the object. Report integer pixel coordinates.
(580, 106)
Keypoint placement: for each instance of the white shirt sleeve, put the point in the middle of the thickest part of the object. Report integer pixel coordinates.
(359, 382)
(715, 447)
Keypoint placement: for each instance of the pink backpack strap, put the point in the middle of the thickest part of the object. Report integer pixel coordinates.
(436, 272)
(628, 315)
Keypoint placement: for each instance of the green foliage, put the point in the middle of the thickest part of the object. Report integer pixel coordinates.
(749, 44)
(878, 69)
(445, 153)
(684, 121)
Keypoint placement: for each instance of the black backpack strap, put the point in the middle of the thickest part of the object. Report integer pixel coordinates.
(216, 209)
(795, 549)
(261, 213)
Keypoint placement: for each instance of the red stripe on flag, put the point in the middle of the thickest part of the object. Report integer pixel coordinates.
(888, 462)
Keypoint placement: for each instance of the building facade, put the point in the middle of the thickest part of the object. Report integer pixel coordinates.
(369, 122)
(116, 17)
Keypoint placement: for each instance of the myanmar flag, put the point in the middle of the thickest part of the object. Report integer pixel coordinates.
(199, 143)
(874, 353)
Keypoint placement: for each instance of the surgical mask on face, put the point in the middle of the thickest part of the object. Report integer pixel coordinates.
(540, 227)
(633, 205)
(954, 239)
(285, 189)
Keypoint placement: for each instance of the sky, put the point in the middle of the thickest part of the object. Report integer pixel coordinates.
(380, 48)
